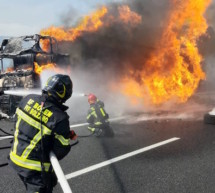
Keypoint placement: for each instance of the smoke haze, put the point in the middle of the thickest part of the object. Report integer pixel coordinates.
(99, 59)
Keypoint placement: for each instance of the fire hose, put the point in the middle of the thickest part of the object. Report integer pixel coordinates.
(96, 133)
(59, 173)
(8, 134)
(58, 170)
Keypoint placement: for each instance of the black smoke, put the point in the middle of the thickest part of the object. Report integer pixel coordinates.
(118, 47)
(206, 45)
(105, 56)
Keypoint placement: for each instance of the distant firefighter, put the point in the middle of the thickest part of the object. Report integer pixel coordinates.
(42, 126)
(97, 117)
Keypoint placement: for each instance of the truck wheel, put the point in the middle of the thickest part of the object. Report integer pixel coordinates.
(209, 119)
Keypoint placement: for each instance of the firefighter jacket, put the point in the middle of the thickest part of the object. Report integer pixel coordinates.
(26, 155)
(97, 115)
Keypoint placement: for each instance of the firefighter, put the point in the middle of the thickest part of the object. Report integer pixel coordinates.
(35, 135)
(97, 116)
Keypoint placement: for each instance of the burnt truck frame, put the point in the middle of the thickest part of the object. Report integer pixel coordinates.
(17, 65)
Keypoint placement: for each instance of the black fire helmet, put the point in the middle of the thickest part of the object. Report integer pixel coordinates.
(59, 87)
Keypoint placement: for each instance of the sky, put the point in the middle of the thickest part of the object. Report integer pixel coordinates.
(24, 17)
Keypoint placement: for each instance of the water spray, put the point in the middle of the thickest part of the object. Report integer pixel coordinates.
(79, 95)
(22, 92)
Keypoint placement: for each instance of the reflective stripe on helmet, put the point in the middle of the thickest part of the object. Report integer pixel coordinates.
(59, 86)
(64, 92)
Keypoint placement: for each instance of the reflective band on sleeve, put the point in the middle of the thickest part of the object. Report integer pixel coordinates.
(102, 111)
(62, 140)
(29, 164)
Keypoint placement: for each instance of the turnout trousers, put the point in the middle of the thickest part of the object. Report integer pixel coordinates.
(39, 184)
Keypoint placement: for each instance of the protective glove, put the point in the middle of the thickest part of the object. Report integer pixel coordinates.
(73, 135)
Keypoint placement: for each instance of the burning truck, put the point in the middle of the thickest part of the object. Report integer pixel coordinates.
(21, 61)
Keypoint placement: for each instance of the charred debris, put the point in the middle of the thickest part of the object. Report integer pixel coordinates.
(18, 57)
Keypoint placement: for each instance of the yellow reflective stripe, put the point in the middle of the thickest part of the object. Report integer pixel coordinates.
(88, 116)
(98, 123)
(35, 124)
(92, 129)
(102, 111)
(32, 122)
(29, 164)
(64, 92)
(16, 135)
(62, 139)
(32, 145)
(92, 113)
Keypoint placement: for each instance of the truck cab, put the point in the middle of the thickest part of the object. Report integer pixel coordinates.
(19, 57)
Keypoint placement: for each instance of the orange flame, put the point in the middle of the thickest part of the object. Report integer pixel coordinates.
(127, 16)
(173, 71)
(89, 24)
(40, 68)
(50, 66)
(9, 70)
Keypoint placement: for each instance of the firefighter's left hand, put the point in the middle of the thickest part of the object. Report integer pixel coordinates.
(73, 135)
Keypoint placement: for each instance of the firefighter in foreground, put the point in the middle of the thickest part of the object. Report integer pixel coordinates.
(97, 117)
(35, 135)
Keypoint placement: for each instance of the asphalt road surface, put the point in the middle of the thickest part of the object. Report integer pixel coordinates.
(148, 154)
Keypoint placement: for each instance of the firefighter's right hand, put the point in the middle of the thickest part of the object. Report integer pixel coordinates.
(73, 135)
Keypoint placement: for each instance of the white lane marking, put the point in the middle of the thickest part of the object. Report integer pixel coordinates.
(5, 137)
(72, 126)
(119, 158)
(111, 120)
